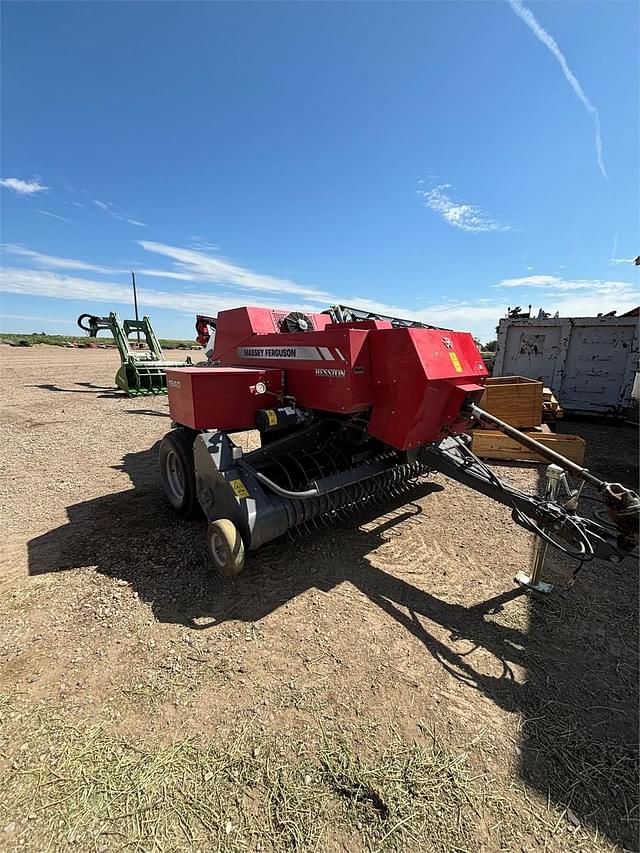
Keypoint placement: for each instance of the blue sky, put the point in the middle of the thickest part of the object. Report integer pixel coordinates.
(440, 160)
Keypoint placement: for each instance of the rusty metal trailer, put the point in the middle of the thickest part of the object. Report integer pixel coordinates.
(589, 363)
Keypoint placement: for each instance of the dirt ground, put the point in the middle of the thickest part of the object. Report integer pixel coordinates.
(390, 628)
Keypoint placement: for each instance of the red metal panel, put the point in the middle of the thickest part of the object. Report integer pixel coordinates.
(415, 380)
(238, 324)
(220, 397)
(422, 378)
(326, 370)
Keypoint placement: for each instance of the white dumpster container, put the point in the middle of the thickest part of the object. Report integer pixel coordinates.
(589, 363)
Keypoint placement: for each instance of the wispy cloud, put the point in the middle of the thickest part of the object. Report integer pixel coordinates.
(45, 261)
(622, 260)
(191, 265)
(556, 284)
(58, 286)
(529, 281)
(178, 276)
(116, 213)
(31, 318)
(203, 245)
(20, 187)
(479, 316)
(230, 285)
(462, 215)
(53, 215)
(548, 41)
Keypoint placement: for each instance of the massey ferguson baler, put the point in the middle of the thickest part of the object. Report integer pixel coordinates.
(349, 411)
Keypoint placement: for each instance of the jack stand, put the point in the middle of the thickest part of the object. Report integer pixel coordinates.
(532, 581)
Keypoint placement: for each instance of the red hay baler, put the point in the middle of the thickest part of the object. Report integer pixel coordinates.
(351, 409)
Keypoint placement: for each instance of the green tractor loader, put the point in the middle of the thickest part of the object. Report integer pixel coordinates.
(143, 371)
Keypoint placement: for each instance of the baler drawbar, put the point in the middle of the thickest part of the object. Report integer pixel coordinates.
(351, 410)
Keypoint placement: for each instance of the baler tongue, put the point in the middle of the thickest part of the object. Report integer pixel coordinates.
(623, 504)
(141, 371)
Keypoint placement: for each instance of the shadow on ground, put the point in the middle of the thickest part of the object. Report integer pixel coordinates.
(85, 388)
(579, 703)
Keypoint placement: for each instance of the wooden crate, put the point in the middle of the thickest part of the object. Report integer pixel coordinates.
(492, 444)
(551, 409)
(514, 399)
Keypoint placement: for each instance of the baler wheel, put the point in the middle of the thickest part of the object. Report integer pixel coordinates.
(177, 472)
(226, 548)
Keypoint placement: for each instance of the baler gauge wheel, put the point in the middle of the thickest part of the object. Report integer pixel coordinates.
(226, 548)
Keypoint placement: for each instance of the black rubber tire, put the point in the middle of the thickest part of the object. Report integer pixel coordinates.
(177, 472)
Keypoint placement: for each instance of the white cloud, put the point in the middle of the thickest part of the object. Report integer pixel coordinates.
(53, 215)
(191, 265)
(622, 260)
(31, 318)
(203, 245)
(110, 208)
(468, 217)
(530, 281)
(598, 287)
(21, 187)
(179, 276)
(241, 286)
(53, 261)
(548, 41)
(58, 286)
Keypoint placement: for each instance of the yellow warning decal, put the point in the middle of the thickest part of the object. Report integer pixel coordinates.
(455, 361)
(272, 417)
(239, 488)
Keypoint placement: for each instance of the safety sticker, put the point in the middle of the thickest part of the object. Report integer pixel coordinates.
(272, 417)
(455, 361)
(239, 488)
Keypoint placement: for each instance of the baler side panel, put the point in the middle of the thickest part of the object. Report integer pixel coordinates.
(422, 379)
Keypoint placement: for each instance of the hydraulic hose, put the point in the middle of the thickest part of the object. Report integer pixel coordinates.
(304, 495)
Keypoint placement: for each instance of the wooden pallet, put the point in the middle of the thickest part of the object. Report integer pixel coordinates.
(492, 444)
(514, 399)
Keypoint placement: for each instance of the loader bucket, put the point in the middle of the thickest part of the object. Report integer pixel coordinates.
(136, 379)
(141, 371)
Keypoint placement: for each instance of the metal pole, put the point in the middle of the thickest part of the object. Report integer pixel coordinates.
(532, 581)
(135, 305)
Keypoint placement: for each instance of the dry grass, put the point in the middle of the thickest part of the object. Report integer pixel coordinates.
(599, 779)
(405, 795)
(90, 788)
(87, 787)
